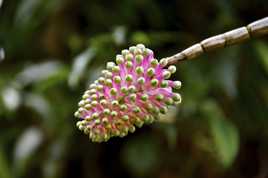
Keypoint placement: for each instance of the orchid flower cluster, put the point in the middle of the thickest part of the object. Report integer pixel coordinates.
(131, 92)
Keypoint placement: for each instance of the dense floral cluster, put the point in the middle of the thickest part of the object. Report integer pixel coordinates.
(131, 92)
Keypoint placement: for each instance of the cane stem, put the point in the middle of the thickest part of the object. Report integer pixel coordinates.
(236, 36)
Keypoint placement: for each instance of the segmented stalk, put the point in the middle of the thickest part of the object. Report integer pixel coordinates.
(254, 29)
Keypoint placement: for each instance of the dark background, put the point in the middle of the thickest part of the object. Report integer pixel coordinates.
(55, 48)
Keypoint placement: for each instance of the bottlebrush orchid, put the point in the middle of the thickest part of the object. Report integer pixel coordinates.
(132, 91)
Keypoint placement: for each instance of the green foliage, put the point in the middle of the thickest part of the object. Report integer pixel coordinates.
(262, 50)
(4, 168)
(225, 135)
(141, 155)
(53, 49)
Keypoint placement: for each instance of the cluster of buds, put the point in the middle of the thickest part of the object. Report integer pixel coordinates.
(131, 92)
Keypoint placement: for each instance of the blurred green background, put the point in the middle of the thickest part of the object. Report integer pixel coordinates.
(55, 48)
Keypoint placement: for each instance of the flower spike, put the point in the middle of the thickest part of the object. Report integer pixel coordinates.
(131, 92)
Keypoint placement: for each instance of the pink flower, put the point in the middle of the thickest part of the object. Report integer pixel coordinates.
(129, 94)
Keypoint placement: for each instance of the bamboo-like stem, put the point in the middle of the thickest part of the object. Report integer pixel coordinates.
(254, 29)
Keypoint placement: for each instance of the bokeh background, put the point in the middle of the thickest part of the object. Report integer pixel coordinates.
(55, 48)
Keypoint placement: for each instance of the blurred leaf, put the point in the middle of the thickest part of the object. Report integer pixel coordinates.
(170, 132)
(30, 10)
(225, 135)
(119, 35)
(140, 37)
(38, 72)
(141, 155)
(38, 103)
(4, 168)
(26, 146)
(262, 50)
(54, 159)
(228, 77)
(2, 52)
(167, 125)
(26, 11)
(172, 135)
(75, 43)
(92, 74)
(226, 71)
(11, 98)
(79, 66)
(144, 148)
(163, 37)
(59, 77)
(27, 143)
(169, 117)
(194, 88)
